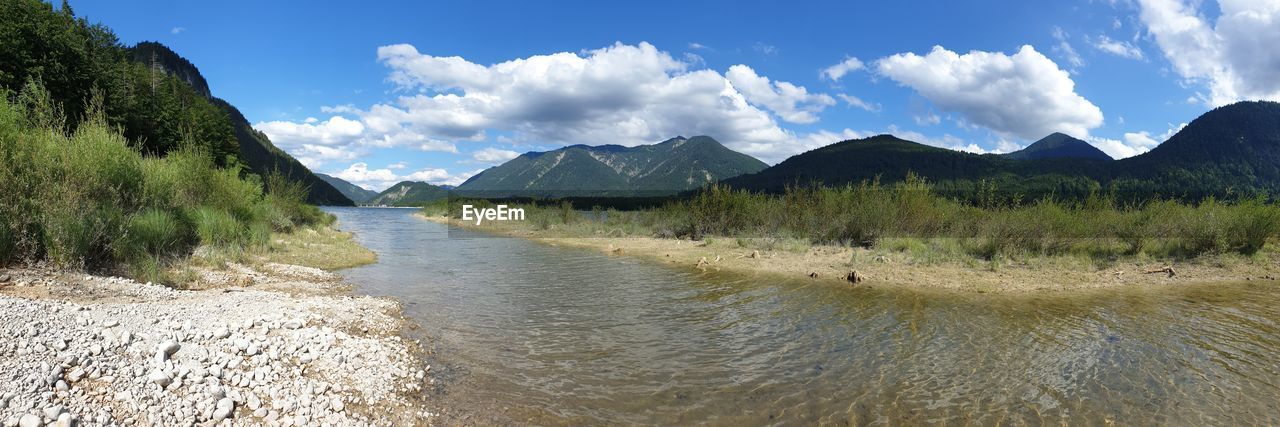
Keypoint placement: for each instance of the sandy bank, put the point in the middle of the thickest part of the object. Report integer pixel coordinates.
(276, 345)
(833, 264)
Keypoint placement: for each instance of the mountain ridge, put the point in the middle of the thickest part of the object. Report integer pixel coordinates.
(667, 167)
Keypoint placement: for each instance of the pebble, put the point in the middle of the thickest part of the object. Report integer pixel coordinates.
(223, 409)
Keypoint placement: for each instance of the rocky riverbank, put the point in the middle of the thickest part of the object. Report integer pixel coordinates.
(275, 345)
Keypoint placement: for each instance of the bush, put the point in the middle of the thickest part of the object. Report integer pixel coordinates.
(216, 227)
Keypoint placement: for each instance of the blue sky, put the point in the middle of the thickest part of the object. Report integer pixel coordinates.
(436, 91)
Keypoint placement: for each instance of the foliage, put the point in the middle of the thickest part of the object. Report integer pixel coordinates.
(90, 199)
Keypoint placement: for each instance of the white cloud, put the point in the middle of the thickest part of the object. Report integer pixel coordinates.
(854, 101)
(927, 118)
(1119, 48)
(1236, 56)
(398, 165)
(1133, 143)
(835, 72)
(619, 94)
(1024, 95)
(494, 155)
(335, 131)
(177, 30)
(380, 179)
(790, 102)
(698, 46)
(1064, 48)
(441, 176)
(360, 174)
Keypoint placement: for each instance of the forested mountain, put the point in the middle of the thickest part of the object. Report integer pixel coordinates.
(352, 191)
(1059, 145)
(256, 150)
(1230, 151)
(668, 167)
(156, 97)
(408, 193)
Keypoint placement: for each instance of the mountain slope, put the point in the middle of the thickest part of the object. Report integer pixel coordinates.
(1231, 150)
(256, 150)
(352, 191)
(408, 193)
(1059, 145)
(668, 167)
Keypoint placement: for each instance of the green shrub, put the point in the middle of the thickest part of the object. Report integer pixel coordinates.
(216, 227)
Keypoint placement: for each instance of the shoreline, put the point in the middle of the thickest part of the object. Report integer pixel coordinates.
(834, 265)
(270, 344)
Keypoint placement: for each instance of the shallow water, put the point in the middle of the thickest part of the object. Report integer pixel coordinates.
(553, 335)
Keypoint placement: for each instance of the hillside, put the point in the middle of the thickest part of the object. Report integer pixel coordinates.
(256, 150)
(891, 159)
(1059, 145)
(354, 192)
(1232, 150)
(408, 193)
(668, 167)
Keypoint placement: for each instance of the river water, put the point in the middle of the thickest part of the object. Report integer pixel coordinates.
(531, 333)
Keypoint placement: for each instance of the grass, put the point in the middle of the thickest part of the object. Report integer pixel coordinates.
(915, 223)
(323, 248)
(87, 199)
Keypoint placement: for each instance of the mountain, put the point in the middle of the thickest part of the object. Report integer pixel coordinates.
(1231, 150)
(352, 191)
(408, 193)
(668, 167)
(256, 150)
(1059, 145)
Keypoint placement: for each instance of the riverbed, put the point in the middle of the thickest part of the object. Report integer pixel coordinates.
(529, 332)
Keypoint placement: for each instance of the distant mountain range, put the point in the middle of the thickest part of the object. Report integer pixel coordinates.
(354, 192)
(408, 193)
(257, 151)
(1059, 145)
(1233, 149)
(669, 167)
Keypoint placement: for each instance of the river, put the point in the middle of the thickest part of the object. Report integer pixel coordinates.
(531, 333)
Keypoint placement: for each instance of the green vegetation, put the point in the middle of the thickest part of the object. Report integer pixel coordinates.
(89, 198)
(666, 168)
(911, 216)
(1231, 152)
(155, 97)
(1058, 146)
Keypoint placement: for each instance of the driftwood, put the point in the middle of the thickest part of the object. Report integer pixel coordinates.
(1166, 270)
(702, 263)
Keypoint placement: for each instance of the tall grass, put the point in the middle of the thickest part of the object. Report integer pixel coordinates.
(87, 199)
(910, 214)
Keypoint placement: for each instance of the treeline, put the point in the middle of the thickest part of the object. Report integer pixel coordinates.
(912, 214)
(75, 61)
(86, 197)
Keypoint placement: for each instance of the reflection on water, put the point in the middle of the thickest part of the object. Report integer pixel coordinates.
(563, 336)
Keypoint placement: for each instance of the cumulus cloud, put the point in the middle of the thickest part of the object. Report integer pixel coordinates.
(1119, 48)
(177, 30)
(1133, 143)
(441, 176)
(1024, 95)
(1235, 56)
(380, 179)
(790, 102)
(835, 72)
(619, 94)
(494, 155)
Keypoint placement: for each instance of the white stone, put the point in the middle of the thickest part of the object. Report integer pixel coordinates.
(223, 409)
(160, 377)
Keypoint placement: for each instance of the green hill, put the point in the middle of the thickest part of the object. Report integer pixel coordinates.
(352, 191)
(668, 167)
(1230, 151)
(1059, 145)
(408, 193)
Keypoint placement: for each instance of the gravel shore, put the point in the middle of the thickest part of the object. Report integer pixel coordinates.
(280, 345)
